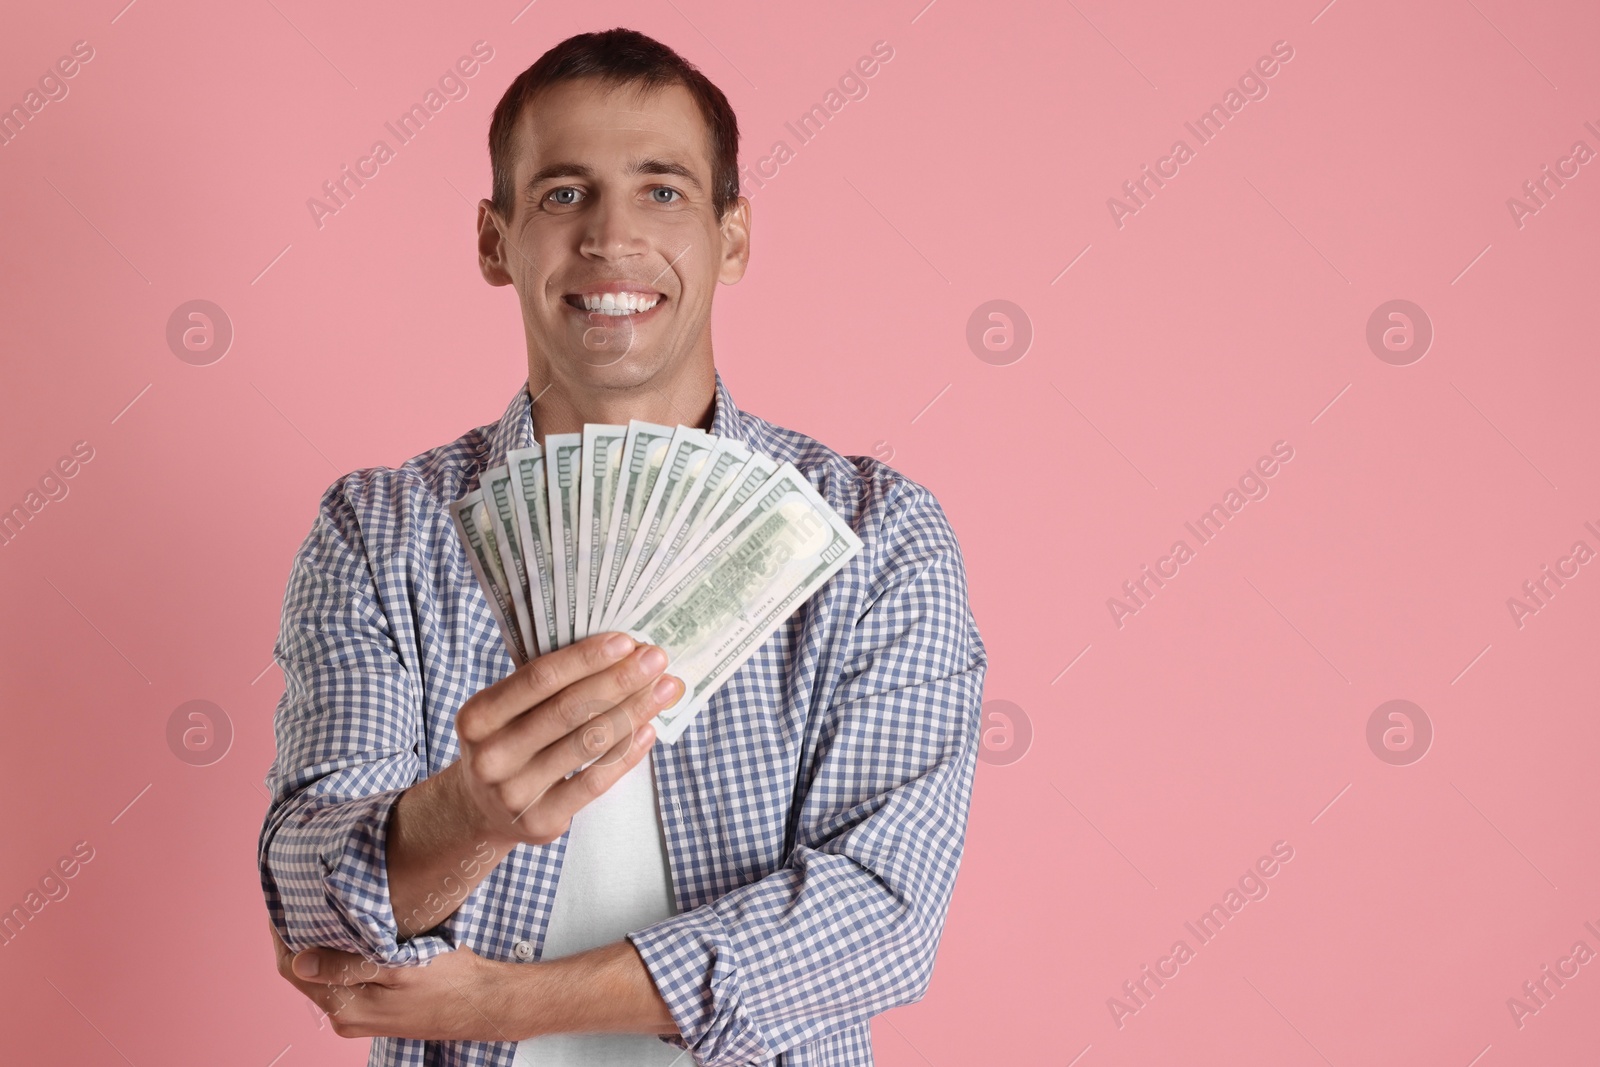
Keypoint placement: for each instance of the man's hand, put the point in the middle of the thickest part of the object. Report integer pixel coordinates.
(522, 736)
(456, 996)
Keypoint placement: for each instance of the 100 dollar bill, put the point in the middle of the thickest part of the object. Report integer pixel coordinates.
(643, 452)
(724, 457)
(562, 453)
(719, 605)
(533, 530)
(733, 489)
(475, 527)
(687, 450)
(602, 461)
(498, 501)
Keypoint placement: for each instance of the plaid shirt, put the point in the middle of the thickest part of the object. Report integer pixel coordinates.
(814, 813)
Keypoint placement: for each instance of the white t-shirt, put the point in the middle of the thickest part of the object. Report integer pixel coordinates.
(614, 880)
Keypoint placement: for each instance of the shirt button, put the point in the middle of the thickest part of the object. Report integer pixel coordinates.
(523, 950)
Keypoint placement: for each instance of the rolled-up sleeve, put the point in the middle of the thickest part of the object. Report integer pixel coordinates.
(849, 926)
(347, 731)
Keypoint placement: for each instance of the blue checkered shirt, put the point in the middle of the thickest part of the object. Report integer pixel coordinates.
(814, 812)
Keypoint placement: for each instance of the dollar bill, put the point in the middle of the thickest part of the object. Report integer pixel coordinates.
(475, 527)
(685, 456)
(678, 537)
(602, 456)
(718, 607)
(744, 482)
(643, 451)
(533, 530)
(563, 452)
(496, 485)
(723, 462)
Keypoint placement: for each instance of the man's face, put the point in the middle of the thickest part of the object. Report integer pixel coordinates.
(612, 242)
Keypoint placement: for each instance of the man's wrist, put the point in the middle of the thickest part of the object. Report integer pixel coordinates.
(477, 826)
(601, 990)
(439, 849)
(526, 1014)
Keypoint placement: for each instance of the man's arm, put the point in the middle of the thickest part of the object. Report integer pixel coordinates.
(588, 703)
(352, 840)
(460, 996)
(605, 989)
(849, 926)
(438, 852)
(348, 731)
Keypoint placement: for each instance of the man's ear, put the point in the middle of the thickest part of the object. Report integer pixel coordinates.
(492, 246)
(735, 228)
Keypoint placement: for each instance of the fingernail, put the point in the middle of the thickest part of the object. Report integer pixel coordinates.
(306, 965)
(618, 645)
(653, 659)
(643, 734)
(665, 688)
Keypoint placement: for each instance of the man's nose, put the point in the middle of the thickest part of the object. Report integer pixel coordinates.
(614, 229)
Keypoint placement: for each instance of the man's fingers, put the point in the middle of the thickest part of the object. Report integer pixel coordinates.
(319, 968)
(326, 966)
(606, 738)
(536, 681)
(507, 753)
(332, 1000)
(337, 980)
(564, 799)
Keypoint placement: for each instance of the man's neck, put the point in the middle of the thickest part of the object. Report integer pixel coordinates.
(690, 400)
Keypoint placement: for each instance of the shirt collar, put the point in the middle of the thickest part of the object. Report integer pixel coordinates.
(515, 428)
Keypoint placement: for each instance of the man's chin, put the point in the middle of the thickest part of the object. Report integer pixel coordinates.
(617, 370)
(604, 346)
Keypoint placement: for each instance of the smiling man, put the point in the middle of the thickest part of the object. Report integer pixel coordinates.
(436, 875)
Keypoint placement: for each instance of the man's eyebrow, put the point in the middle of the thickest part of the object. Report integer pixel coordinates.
(648, 165)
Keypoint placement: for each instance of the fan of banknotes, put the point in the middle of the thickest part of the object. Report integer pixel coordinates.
(672, 535)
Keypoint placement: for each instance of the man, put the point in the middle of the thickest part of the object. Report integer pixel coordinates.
(753, 893)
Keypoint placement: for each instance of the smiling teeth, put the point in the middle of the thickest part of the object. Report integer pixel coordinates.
(618, 303)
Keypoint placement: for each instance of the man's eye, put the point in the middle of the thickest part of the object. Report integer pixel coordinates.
(666, 189)
(556, 194)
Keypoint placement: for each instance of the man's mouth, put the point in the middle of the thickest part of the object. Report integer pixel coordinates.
(615, 304)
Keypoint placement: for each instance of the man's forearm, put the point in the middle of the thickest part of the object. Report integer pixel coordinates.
(602, 990)
(437, 854)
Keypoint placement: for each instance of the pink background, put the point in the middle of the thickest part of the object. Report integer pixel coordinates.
(1229, 313)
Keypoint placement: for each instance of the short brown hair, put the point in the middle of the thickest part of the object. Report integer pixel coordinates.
(617, 57)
